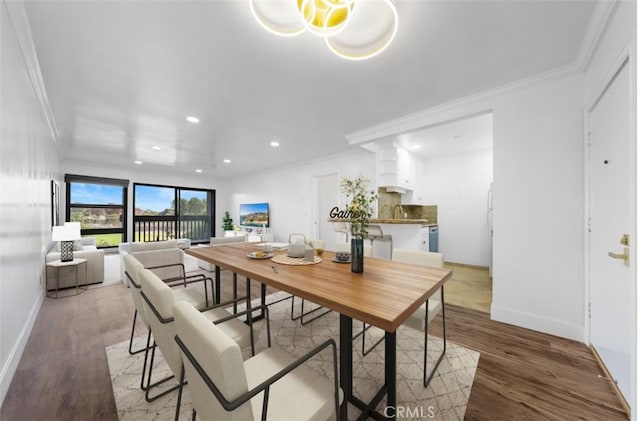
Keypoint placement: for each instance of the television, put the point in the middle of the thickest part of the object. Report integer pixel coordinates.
(254, 215)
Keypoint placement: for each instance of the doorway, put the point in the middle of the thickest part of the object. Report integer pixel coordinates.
(327, 196)
(611, 292)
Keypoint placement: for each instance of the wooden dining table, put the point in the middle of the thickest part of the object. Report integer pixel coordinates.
(384, 295)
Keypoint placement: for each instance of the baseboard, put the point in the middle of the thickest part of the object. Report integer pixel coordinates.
(538, 323)
(464, 265)
(11, 366)
(609, 377)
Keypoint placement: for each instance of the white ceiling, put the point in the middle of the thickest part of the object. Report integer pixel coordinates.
(121, 76)
(462, 136)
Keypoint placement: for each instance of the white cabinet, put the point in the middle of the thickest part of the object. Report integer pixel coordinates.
(396, 168)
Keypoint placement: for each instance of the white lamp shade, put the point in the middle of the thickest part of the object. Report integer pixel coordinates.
(68, 232)
(280, 17)
(371, 29)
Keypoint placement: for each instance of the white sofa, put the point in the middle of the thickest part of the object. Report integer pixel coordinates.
(127, 248)
(85, 249)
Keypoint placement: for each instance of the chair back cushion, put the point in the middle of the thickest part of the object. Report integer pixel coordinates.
(161, 297)
(346, 247)
(415, 257)
(221, 359)
(152, 245)
(152, 258)
(133, 267)
(216, 241)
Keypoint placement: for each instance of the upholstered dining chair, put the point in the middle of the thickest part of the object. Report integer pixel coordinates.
(159, 300)
(421, 318)
(167, 264)
(270, 385)
(342, 228)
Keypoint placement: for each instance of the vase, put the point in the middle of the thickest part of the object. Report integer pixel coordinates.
(357, 255)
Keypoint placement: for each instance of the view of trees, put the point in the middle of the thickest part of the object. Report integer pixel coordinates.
(193, 206)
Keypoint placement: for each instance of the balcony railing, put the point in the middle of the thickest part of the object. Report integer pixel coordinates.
(160, 228)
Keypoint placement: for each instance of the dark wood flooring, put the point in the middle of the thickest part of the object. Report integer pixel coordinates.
(521, 375)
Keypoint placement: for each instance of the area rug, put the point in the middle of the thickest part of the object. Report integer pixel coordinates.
(445, 398)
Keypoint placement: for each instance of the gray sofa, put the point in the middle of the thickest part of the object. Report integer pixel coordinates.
(95, 265)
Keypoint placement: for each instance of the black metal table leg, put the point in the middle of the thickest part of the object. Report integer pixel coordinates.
(217, 271)
(390, 373)
(346, 362)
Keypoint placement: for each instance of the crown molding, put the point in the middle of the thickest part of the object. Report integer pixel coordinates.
(480, 102)
(600, 19)
(20, 23)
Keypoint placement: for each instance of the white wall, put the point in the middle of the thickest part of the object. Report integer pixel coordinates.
(28, 163)
(148, 176)
(290, 193)
(538, 187)
(458, 185)
(617, 41)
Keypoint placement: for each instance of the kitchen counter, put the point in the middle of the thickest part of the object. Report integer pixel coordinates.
(390, 221)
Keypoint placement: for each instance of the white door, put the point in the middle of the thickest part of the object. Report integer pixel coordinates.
(327, 197)
(612, 209)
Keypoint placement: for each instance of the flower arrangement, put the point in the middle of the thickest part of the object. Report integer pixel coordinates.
(360, 204)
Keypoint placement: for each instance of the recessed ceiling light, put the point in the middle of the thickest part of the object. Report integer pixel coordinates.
(416, 147)
(193, 119)
(137, 162)
(226, 161)
(274, 144)
(156, 148)
(198, 170)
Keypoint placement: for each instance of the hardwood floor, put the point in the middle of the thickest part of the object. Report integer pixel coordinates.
(469, 287)
(522, 375)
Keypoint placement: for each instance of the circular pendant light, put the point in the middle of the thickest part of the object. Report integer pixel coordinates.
(372, 27)
(325, 17)
(280, 17)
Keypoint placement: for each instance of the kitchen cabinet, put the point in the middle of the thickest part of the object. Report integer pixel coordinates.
(396, 168)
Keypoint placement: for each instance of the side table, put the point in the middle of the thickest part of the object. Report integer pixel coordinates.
(75, 263)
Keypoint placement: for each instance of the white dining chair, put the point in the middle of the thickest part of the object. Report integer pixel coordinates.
(271, 385)
(420, 318)
(159, 301)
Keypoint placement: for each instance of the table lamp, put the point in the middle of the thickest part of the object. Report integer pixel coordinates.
(66, 234)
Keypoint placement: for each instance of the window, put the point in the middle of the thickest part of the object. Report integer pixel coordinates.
(167, 212)
(100, 205)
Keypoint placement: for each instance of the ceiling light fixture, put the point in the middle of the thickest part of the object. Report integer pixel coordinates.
(192, 119)
(198, 170)
(137, 162)
(414, 147)
(156, 148)
(352, 29)
(274, 144)
(226, 161)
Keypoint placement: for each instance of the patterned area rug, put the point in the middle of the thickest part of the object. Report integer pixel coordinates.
(445, 398)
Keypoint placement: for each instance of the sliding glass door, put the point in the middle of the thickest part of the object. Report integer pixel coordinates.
(168, 212)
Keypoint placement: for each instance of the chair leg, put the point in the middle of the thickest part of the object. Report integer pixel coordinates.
(302, 313)
(133, 329)
(180, 387)
(159, 382)
(426, 380)
(365, 351)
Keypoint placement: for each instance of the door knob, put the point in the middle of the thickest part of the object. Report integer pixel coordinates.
(624, 256)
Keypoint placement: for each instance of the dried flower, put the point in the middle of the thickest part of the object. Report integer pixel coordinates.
(360, 204)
